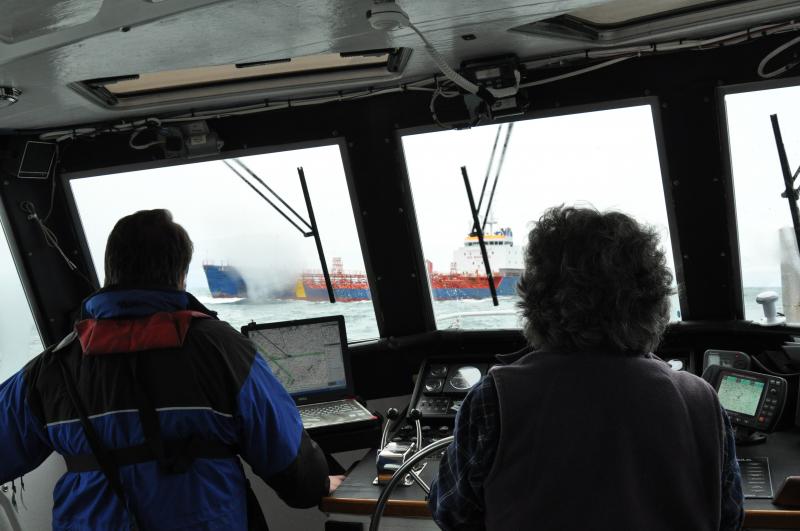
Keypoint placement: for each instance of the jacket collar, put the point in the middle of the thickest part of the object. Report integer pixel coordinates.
(512, 357)
(124, 302)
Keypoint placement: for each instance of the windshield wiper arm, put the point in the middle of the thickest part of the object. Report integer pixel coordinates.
(788, 180)
(476, 225)
(311, 224)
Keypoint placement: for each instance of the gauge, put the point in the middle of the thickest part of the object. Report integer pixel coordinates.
(676, 365)
(465, 377)
(438, 371)
(434, 385)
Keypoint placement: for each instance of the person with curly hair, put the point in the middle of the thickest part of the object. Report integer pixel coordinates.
(587, 428)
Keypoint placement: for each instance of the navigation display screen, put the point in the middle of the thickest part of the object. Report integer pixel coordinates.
(306, 358)
(740, 394)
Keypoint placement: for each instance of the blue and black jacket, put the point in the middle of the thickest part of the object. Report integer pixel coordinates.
(205, 382)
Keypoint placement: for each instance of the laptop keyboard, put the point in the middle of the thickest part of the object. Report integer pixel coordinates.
(331, 413)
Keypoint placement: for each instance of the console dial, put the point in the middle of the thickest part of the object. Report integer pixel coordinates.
(465, 377)
(437, 371)
(434, 385)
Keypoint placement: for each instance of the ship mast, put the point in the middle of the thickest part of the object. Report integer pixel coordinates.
(498, 168)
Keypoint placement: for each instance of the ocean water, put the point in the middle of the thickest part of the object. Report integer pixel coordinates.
(360, 316)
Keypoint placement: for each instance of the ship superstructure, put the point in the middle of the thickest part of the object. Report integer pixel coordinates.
(500, 248)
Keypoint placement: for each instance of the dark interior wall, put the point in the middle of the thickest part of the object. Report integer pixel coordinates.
(685, 87)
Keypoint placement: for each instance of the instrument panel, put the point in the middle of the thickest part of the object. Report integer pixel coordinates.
(442, 386)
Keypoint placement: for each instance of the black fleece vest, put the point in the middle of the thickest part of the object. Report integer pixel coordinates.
(604, 441)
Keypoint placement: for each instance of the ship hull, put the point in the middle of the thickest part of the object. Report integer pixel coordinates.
(505, 287)
(225, 282)
(443, 288)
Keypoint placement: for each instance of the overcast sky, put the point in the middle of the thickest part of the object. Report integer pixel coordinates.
(608, 159)
(227, 221)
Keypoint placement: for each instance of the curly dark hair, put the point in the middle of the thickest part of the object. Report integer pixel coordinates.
(594, 281)
(148, 249)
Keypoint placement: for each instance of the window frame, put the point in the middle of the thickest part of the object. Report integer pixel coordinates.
(340, 142)
(24, 279)
(729, 188)
(655, 105)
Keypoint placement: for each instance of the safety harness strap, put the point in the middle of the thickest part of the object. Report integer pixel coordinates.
(143, 453)
(102, 456)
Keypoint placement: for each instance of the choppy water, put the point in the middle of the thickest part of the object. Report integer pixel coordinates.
(360, 316)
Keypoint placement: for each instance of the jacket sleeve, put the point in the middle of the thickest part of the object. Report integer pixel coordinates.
(456, 499)
(273, 442)
(23, 439)
(732, 506)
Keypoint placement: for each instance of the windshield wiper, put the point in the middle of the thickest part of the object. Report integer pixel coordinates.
(790, 193)
(478, 231)
(477, 226)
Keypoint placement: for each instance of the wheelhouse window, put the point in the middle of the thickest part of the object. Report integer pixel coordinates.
(606, 159)
(767, 245)
(251, 262)
(19, 338)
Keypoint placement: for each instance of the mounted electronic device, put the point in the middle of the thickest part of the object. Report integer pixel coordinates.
(501, 75)
(726, 358)
(492, 83)
(754, 401)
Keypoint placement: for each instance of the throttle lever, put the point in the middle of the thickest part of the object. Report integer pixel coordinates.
(391, 415)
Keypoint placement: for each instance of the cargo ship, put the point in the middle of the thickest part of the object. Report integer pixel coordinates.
(225, 282)
(466, 279)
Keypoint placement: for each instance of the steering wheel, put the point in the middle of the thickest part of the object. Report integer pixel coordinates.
(404, 469)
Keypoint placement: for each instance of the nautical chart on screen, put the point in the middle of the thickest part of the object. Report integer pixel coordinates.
(740, 394)
(305, 358)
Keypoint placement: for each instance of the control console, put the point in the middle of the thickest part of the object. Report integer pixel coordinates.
(442, 386)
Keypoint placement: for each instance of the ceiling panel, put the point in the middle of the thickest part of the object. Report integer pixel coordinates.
(137, 36)
(24, 19)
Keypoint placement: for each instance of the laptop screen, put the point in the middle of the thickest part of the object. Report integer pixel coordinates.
(306, 356)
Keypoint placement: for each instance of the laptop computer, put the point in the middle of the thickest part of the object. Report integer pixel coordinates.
(310, 358)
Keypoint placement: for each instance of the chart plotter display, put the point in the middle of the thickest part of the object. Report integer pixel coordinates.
(740, 394)
(306, 358)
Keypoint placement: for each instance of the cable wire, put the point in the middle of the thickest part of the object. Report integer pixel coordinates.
(770, 371)
(576, 72)
(441, 62)
(51, 239)
(771, 55)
